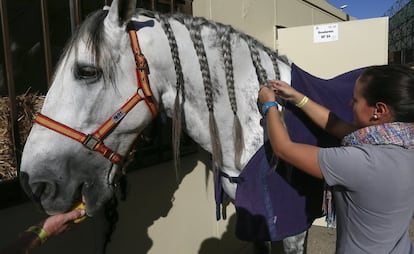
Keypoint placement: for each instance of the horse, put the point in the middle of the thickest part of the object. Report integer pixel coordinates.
(111, 84)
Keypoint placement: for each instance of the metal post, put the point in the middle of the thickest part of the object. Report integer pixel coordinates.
(8, 62)
(75, 14)
(46, 41)
(153, 5)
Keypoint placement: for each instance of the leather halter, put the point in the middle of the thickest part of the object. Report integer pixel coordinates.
(94, 141)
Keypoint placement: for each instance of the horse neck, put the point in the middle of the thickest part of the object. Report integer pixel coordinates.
(217, 74)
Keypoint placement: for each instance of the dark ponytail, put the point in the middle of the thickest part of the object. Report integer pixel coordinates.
(392, 85)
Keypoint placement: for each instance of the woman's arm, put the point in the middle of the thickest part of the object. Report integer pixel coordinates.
(320, 115)
(304, 157)
(37, 235)
(26, 242)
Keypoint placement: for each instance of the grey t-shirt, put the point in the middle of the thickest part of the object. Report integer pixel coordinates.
(374, 197)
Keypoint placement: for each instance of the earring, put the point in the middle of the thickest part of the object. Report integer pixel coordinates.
(375, 117)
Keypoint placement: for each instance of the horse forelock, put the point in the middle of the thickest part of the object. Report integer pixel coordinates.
(91, 33)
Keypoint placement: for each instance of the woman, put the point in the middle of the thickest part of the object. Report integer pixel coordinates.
(372, 174)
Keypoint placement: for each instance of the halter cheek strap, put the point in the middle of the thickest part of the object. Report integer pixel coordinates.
(142, 70)
(94, 141)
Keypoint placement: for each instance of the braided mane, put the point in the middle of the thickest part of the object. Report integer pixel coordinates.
(225, 35)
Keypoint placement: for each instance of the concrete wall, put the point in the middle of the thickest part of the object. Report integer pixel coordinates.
(360, 43)
(259, 18)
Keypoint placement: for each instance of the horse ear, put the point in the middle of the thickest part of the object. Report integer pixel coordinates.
(121, 11)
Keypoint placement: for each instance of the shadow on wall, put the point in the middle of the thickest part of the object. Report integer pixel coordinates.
(226, 244)
(148, 222)
(144, 227)
(221, 245)
(150, 196)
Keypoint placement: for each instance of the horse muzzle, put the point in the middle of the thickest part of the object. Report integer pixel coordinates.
(55, 197)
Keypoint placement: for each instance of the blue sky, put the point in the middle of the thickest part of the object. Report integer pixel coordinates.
(364, 9)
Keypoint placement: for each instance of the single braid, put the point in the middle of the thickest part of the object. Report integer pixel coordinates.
(273, 58)
(255, 55)
(224, 34)
(177, 117)
(194, 26)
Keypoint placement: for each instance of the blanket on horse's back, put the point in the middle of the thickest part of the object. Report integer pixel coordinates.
(272, 202)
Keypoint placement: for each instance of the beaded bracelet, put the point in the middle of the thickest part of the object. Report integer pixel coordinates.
(302, 102)
(40, 232)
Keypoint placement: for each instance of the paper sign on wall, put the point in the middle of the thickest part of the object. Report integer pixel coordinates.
(325, 33)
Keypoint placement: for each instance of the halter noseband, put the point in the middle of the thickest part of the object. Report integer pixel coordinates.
(94, 141)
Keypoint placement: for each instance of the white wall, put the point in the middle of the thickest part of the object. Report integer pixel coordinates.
(255, 18)
(360, 43)
(162, 216)
(259, 18)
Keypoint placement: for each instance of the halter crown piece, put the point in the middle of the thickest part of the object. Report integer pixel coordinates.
(94, 141)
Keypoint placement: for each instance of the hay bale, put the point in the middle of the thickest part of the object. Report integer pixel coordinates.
(7, 161)
(27, 107)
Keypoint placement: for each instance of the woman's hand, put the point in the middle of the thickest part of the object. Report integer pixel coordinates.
(285, 91)
(59, 223)
(266, 94)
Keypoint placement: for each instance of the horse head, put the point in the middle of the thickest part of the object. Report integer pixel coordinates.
(206, 71)
(92, 113)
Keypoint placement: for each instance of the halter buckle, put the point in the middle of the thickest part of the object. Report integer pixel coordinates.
(91, 142)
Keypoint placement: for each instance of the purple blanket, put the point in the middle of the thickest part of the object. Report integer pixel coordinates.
(273, 203)
(335, 94)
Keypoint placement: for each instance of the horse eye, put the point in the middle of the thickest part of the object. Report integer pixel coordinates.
(88, 73)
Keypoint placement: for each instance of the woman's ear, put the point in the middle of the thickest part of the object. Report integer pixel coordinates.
(383, 112)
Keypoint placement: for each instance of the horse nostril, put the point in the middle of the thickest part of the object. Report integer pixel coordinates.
(44, 190)
(38, 190)
(24, 182)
